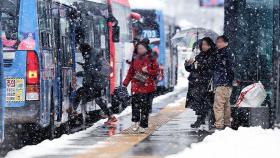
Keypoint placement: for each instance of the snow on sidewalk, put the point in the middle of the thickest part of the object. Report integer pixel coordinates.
(58, 146)
(65, 141)
(252, 142)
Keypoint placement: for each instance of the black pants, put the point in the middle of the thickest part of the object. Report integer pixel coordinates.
(151, 98)
(86, 95)
(140, 109)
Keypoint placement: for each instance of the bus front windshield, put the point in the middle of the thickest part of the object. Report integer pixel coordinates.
(148, 27)
(9, 18)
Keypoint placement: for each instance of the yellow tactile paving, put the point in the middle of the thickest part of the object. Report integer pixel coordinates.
(114, 147)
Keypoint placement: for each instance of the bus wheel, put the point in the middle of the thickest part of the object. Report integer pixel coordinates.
(51, 128)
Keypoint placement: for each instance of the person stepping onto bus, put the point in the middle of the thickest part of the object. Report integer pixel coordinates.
(142, 72)
(95, 80)
(223, 81)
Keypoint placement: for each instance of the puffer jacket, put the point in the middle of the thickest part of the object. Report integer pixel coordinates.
(136, 66)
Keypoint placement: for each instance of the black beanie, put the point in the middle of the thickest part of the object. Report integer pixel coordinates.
(146, 43)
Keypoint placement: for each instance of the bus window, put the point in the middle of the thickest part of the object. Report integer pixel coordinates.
(121, 11)
(103, 36)
(44, 13)
(65, 45)
(149, 28)
(88, 25)
(9, 23)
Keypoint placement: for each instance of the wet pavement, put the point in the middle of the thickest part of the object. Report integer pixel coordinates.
(171, 138)
(169, 134)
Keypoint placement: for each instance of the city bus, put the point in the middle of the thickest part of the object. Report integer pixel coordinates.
(40, 40)
(211, 3)
(1, 87)
(159, 28)
(121, 49)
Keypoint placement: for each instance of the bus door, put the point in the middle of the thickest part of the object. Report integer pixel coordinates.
(95, 27)
(63, 58)
(2, 89)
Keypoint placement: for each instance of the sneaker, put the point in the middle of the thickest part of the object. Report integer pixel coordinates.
(135, 126)
(142, 130)
(111, 120)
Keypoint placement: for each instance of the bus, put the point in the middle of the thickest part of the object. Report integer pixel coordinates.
(211, 3)
(40, 40)
(1, 87)
(159, 28)
(121, 49)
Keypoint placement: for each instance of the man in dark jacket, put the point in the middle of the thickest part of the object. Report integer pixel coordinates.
(95, 80)
(222, 79)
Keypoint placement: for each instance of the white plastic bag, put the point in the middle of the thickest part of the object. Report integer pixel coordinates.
(252, 96)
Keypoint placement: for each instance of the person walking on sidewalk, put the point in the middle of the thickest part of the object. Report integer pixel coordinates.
(142, 72)
(198, 97)
(223, 79)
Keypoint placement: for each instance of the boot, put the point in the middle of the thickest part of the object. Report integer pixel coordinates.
(200, 121)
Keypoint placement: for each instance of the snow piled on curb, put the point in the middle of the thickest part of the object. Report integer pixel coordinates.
(252, 142)
(54, 146)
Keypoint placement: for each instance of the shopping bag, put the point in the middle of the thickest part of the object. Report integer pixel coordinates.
(252, 96)
(120, 99)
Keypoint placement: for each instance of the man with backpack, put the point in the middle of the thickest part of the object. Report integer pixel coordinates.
(95, 80)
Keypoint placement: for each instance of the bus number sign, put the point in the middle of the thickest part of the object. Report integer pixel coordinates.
(149, 34)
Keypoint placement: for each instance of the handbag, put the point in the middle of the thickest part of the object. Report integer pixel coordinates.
(140, 77)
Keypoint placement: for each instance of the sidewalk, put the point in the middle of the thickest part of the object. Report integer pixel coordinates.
(169, 133)
(169, 139)
(86, 141)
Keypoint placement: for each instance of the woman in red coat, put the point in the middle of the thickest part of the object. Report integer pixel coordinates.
(142, 74)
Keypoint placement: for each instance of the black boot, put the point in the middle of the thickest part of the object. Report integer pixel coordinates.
(200, 121)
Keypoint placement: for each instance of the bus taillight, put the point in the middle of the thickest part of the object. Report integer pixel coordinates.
(32, 76)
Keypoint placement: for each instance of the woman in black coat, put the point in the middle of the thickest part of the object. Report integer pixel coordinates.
(198, 97)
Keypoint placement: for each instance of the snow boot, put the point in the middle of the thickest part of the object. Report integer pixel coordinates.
(200, 121)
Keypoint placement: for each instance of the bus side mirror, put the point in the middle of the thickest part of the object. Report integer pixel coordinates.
(115, 29)
(116, 33)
